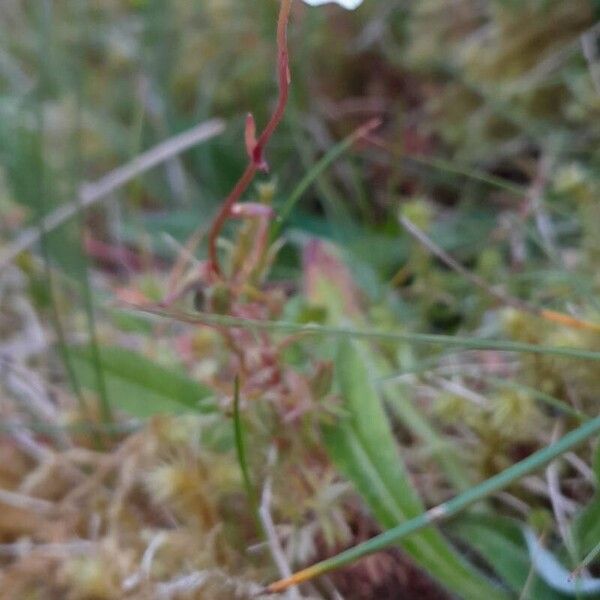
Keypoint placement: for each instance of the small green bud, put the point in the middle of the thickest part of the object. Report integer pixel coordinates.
(266, 192)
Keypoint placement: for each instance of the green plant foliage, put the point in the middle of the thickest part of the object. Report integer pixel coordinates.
(500, 542)
(586, 526)
(367, 367)
(139, 386)
(364, 449)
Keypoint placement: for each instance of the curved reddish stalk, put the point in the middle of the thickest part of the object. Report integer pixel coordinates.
(283, 70)
(256, 149)
(240, 187)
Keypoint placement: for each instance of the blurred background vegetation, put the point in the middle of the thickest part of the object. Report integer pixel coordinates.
(489, 144)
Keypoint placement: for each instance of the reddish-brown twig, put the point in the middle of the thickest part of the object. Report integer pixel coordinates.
(256, 148)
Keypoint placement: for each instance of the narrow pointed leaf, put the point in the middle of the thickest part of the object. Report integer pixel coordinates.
(138, 385)
(364, 449)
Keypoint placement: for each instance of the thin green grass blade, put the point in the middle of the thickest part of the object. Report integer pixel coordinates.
(335, 206)
(549, 400)
(427, 339)
(451, 508)
(32, 162)
(590, 558)
(309, 179)
(453, 168)
(240, 447)
(104, 405)
(138, 385)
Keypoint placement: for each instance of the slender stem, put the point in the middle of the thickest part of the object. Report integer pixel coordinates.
(283, 72)
(240, 447)
(471, 277)
(444, 165)
(447, 509)
(42, 187)
(256, 159)
(331, 156)
(104, 401)
(588, 559)
(225, 321)
(240, 187)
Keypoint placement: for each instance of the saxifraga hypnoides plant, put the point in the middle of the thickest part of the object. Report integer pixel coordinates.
(227, 291)
(255, 148)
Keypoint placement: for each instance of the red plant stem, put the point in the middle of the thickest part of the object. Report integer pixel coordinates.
(240, 187)
(283, 66)
(256, 160)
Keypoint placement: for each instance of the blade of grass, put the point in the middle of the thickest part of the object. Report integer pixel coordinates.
(39, 190)
(332, 201)
(447, 509)
(471, 173)
(555, 403)
(363, 447)
(55, 316)
(311, 176)
(586, 525)
(240, 448)
(447, 166)
(413, 338)
(141, 386)
(104, 405)
(588, 559)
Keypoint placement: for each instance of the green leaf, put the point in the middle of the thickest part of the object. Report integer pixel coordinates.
(364, 449)
(138, 385)
(586, 528)
(240, 446)
(499, 541)
(450, 508)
